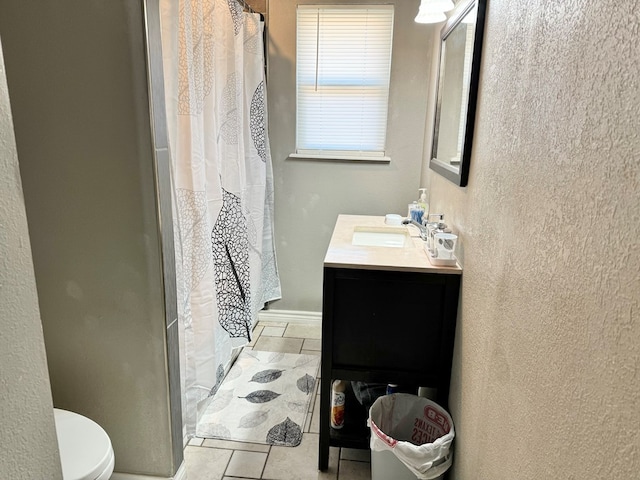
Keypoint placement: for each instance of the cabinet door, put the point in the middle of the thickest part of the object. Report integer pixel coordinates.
(387, 320)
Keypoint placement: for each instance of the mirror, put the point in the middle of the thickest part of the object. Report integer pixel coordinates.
(457, 90)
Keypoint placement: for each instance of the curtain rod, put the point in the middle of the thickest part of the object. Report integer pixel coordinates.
(251, 10)
(246, 5)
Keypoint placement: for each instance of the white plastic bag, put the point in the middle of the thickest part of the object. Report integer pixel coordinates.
(417, 430)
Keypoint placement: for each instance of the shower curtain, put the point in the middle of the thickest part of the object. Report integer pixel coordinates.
(226, 270)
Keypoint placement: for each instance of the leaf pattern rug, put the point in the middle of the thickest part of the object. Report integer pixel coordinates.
(263, 399)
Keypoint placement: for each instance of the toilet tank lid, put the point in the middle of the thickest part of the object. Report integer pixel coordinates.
(85, 448)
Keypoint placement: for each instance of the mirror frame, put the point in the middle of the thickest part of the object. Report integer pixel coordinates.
(460, 174)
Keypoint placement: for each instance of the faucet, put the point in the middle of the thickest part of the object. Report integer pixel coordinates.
(428, 228)
(424, 234)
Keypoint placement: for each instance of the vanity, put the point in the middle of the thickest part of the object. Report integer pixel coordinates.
(388, 316)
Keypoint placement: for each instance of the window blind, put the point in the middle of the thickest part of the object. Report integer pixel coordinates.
(343, 68)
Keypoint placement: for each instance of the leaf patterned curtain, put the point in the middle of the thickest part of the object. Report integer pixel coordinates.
(223, 185)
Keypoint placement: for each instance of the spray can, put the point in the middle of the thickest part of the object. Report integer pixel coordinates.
(338, 396)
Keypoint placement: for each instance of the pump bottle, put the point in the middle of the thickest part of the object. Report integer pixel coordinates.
(424, 203)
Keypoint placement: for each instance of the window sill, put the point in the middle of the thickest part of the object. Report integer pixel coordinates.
(347, 158)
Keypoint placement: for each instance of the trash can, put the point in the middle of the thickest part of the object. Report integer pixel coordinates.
(411, 438)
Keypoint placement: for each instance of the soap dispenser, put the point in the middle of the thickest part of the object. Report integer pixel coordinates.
(424, 203)
(419, 209)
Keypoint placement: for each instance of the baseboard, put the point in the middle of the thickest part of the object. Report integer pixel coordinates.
(181, 474)
(289, 316)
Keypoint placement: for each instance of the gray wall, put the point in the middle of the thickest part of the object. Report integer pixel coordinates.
(78, 85)
(310, 194)
(28, 441)
(546, 367)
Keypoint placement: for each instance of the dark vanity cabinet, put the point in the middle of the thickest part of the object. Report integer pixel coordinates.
(383, 325)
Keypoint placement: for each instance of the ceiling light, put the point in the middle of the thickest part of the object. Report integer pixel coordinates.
(432, 11)
(430, 17)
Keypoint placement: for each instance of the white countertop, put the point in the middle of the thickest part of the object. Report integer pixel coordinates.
(411, 258)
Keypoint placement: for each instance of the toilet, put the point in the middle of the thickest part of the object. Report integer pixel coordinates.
(85, 448)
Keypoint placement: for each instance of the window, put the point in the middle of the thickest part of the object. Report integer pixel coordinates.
(343, 68)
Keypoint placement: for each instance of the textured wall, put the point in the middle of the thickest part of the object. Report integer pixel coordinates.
(309, 194)
(78, 85)
(26, 410)
(546, 380)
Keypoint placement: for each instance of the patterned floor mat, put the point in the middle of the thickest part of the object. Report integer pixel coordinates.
(263, 399)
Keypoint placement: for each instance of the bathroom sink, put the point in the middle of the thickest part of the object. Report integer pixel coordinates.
(380, 237)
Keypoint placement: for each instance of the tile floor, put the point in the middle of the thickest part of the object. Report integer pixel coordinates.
(210, 459)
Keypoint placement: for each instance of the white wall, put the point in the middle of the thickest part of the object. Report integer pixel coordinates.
(28, 441)
(546, 376)
(310, 194)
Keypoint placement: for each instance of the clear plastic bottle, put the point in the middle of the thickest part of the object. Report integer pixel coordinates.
(338, 396)
(424, 203)
(416, 212)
